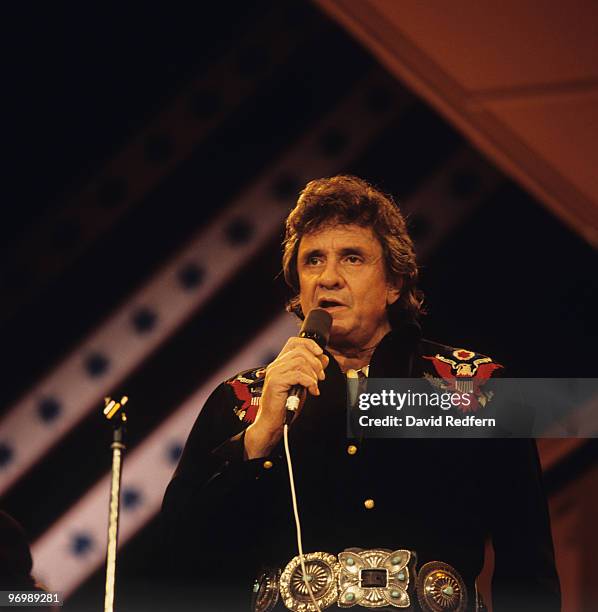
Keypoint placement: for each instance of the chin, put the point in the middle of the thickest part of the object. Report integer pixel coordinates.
(339, 336)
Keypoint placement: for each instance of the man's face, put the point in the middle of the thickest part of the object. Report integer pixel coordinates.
(341, 269)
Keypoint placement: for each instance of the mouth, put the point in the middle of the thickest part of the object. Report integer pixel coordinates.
(330, 304)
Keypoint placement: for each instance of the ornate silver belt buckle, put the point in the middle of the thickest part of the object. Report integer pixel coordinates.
(374, 578)
(368, 578)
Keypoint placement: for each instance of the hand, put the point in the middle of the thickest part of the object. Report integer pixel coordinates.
(301, 362)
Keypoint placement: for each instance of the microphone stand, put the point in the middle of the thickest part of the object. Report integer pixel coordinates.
(115, 414)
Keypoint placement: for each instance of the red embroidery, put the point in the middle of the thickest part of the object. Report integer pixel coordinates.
(467, 377)
(443, 369)
(247, 411)
(485, 371)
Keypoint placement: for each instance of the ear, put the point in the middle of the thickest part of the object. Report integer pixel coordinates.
(393, 291)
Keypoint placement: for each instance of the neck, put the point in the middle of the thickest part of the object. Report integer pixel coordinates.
(355, 357)
(352, 360)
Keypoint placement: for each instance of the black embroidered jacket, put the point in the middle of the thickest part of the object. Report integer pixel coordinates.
(224, 518)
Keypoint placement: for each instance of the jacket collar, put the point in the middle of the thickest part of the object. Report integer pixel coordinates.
(395, 356)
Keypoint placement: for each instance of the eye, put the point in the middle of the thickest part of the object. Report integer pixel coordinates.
(313, 260)
(353, 259)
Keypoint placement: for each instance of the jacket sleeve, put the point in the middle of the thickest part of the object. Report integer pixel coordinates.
(525, 576)
(215, 499)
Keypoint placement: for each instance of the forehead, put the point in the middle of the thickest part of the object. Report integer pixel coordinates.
(341, 238)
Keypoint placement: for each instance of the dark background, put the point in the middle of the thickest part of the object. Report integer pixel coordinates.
(81, 81)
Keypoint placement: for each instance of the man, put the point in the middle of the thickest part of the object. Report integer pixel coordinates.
(228, 514)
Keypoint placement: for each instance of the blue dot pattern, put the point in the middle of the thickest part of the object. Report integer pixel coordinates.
(190, 276)
(239, 231)
(144, 320)
(81, 544)
(131, 498)
(174, 452)
(96, 364)
(6, 454)
(49, 409)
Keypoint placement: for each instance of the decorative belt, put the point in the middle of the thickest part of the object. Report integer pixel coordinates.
(373, 578)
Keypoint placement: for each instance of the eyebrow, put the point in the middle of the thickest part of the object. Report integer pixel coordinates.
(354, 250)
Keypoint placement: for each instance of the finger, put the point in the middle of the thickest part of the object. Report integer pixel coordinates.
(300, 364)
(307, 381)
(313, 346)
(309, 344)
(299, 356)
(290, 373)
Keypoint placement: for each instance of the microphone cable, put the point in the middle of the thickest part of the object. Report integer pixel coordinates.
(316, 327)
(296, 513)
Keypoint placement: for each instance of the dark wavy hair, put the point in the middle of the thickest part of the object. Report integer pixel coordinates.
(344, 200)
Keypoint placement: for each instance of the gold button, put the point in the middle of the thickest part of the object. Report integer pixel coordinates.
(351, 449)
(268, 465)
(369, 504)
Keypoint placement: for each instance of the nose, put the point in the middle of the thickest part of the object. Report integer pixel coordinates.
(330, 276)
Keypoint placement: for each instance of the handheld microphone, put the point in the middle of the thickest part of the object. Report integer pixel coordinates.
(316, 327)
